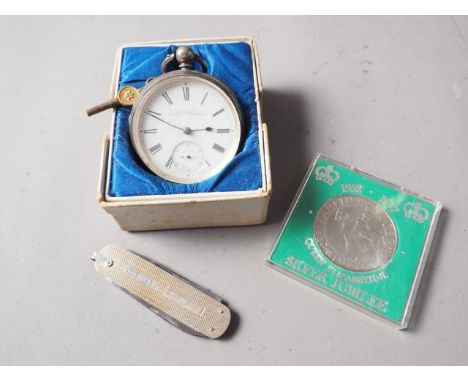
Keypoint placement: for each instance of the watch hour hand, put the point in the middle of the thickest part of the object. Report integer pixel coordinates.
(205, 129)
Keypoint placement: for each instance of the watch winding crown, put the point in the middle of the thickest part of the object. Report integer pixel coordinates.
(185, 57)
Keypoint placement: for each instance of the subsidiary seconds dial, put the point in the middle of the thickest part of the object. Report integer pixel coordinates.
(186, 126)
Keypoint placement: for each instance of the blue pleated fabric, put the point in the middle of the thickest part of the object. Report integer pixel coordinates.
(232, 64)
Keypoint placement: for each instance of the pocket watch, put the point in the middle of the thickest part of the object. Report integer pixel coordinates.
(185, 125)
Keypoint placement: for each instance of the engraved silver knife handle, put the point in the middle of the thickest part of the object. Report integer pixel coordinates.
(175, 299)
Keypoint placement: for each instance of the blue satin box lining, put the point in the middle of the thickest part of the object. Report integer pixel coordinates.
(232, 63)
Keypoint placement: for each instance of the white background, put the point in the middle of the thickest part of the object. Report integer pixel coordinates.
(388, 95)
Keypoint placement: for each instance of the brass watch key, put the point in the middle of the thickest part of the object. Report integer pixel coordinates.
(125, 97)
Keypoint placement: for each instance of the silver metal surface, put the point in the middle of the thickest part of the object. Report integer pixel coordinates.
(175, 299)
(355, 233)
(185, 56)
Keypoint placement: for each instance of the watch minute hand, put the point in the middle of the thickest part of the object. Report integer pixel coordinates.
(154, 115)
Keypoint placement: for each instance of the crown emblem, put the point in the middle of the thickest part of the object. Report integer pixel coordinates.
(327, 174)
(415, 211)
(389, 204)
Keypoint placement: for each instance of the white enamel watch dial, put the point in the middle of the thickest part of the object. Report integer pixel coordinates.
(185, 126)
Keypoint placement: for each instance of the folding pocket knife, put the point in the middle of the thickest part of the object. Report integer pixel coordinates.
(175, 299)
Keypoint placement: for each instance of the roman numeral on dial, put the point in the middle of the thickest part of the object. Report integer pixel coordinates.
(167, 98)
(169, 162)
(219, 148)
(156, 148)
(150, 131)
(218, 112)
(203, 100)
(221, 131)
(186, 91)
(151, 113)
